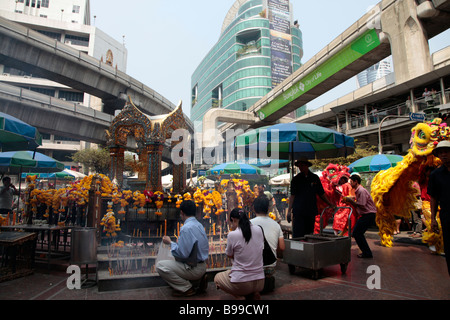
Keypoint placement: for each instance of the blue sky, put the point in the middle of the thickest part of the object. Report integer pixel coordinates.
(166, 40)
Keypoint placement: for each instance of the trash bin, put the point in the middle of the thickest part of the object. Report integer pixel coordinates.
(84, 246)
(84, 251)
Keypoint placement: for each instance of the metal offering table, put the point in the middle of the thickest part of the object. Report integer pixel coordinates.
(317, 251)
(52, 241)
(14, 245)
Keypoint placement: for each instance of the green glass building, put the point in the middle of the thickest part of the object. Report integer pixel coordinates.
(259, 46)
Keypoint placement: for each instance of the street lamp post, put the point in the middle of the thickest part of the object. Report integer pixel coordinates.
(380, 145)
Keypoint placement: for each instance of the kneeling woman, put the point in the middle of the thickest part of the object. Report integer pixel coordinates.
(245, 246)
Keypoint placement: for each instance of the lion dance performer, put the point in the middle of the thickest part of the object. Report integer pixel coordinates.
(393, 191)
(344, 189)
(334, 191)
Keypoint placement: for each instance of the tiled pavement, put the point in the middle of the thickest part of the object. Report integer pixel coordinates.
(408, 272)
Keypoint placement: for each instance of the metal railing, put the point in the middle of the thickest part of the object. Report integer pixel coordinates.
(400, 109)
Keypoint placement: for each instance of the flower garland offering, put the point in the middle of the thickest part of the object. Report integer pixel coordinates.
(158, 197)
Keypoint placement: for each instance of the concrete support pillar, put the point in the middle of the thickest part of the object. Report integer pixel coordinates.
(338, 124)
(408, 39)
(366, 116)
(443, 97)
(347, 121)
(154, 153)
(117, 155)
(413, 102)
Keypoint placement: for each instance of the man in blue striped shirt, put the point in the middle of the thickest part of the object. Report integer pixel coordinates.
(190, 253)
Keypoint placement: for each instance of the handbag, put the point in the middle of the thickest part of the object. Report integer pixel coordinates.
(268, 256)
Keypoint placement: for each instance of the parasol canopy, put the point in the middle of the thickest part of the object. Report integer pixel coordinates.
(194, 182)
(375, 163)
(28, 161)
(296, 140)
(167, 182)
(74, 173)
(234, 168)
(263, 163)
(17, 135)
(281, 180)
(285, 179)
(66, 173)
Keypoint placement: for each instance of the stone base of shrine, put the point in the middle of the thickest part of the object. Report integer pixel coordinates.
(132, 272)
(105, 282)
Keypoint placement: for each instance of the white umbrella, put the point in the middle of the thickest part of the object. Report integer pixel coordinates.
(167, 182)
(281, 180)
(285, 179)
(208, 182)
(76, 174)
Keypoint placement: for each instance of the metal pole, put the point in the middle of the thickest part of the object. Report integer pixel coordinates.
(380, 145)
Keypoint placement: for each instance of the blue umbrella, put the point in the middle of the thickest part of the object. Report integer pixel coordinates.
(17, 135)
(234, 168)
(28, 161)
(375, 163)
(62, 174)
(264, 162)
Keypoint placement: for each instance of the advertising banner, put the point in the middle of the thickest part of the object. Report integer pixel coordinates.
(281, 40)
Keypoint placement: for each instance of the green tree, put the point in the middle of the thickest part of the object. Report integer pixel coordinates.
(94, 159)
(362, 149)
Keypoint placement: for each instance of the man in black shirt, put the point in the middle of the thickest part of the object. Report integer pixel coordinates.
(439, 191)
(305, 186)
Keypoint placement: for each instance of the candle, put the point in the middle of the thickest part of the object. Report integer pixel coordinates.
(214, 228)
(165, 226)
(160, 230)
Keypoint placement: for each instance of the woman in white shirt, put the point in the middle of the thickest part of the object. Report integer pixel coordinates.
(245, 246)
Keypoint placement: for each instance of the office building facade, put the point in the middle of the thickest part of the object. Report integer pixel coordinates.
(375, 72)
(69, 22)
(259, 46)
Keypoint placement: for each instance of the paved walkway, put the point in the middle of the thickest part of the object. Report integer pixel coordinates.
(408, 271)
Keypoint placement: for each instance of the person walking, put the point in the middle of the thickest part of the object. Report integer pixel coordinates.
(305, 186)
(190, 253)
(245, 244)
(366, 209)
(439, 191)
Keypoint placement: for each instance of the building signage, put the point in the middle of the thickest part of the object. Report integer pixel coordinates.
(281, 40)
(420, 117)
(359, 47)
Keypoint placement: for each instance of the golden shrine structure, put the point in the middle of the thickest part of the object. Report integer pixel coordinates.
(150, 134)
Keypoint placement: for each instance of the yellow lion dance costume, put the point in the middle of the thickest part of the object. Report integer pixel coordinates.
(392, 190)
